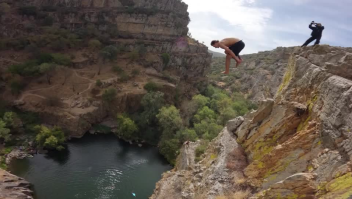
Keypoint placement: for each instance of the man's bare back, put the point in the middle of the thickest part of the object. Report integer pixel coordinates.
(229, 41)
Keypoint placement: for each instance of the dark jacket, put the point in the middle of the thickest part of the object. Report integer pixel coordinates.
(317, 31)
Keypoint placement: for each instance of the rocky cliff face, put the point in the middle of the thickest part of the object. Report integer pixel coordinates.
(159, 27)
(13, 187)
(297, 145)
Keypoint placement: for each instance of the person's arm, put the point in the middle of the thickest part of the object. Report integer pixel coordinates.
(311, 26)
(227, 50)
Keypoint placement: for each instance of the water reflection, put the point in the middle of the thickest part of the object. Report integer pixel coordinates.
(60, 157)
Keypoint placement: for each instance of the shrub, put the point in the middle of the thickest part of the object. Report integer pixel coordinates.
(53, 101)
(16, 86)
(169, 120)
(186, 135)
(98, 83)
(133, 56)
(135, 72)
(151, 87)
(61, 59)
(201, 149)
(109, 95)
(117, 69)
(166, 58)
(50, 138)
(4, 132)
(109, 53)
(124, 77)
(126, 128)
(94, 44)
(169, 149)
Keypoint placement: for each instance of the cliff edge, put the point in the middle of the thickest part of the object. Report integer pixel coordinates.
(297, 145)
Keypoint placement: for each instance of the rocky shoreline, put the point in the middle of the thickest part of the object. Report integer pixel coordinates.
(13, 187)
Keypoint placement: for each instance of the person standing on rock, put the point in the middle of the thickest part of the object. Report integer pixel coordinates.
(232, 47)
(316, 34)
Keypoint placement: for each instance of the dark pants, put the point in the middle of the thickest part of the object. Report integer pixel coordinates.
(317, 38)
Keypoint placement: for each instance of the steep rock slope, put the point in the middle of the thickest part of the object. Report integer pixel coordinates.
(258, 77)
(298, 145)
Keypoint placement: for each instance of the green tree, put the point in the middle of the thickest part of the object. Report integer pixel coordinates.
(169, 149)
(48, 70)
(170, 120)
(200, 101)
(108, 53)
(205, 114)
(207, 130)
(151, 103)
(94, 44)
(50, 138)
(109, 95)
(186, 135)
(226, 115)
(4, 132)
(126, 127)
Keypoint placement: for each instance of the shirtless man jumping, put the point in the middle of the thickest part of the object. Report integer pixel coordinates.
(232, 47)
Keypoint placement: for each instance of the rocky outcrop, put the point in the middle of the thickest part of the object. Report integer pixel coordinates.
(299, 144)
(260, 74)
(13, 187)
(215, 175)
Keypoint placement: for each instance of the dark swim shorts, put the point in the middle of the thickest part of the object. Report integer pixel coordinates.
(237, 48)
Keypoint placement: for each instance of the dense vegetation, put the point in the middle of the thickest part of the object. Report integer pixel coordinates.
(169, 127)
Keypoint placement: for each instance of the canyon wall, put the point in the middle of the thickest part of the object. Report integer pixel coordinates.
(159, 27)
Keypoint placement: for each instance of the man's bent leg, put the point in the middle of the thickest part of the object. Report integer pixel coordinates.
(308, 41)
(317, 41)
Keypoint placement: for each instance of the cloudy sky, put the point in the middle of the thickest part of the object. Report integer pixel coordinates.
(267, 24)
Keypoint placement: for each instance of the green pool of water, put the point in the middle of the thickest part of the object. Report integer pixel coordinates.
(94, 167)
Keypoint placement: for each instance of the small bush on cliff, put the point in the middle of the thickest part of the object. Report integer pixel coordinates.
(151, 87)
(16, 85)
(166, 58)
(50, 138)
(109, 95)
(4, 132)
(126, 128)
(98, 83)
(94, 44)
(135, 72)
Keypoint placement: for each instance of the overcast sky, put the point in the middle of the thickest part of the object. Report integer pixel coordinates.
(267, 24)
